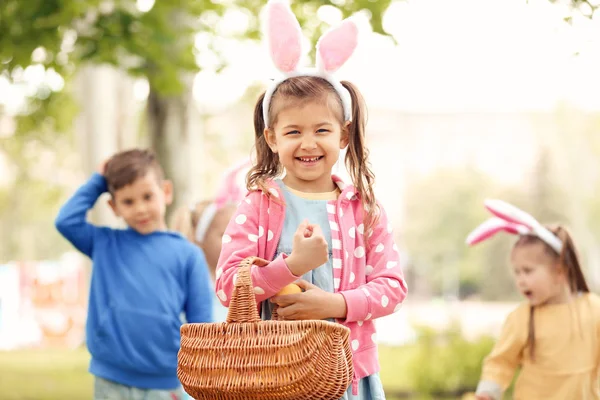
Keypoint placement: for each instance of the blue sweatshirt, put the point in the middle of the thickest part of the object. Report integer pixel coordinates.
(140, 286)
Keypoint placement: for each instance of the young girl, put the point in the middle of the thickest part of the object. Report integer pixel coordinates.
(554, 337)
(311, 226)
(204, 224)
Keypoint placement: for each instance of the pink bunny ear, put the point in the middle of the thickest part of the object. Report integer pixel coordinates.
(336, 46)
(284, 36)
(491, 227)
(231, 191)
(510, 213)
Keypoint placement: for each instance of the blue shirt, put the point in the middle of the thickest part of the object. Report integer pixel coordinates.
(140, 286)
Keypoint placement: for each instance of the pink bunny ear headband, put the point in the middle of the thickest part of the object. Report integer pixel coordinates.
(510, 219)
(285, 46)
(232, 191)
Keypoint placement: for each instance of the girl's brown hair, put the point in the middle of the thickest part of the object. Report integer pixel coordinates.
(568, 260)
(306, 88)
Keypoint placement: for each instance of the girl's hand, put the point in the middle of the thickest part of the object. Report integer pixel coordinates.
(309, 249)
(313, 303)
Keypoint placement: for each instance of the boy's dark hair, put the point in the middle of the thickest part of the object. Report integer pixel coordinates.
(124, 168)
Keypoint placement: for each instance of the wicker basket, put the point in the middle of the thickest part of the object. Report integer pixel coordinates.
(246, 358)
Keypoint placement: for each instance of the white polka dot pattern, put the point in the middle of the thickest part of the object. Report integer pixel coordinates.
(359, 252)
(259, 290)
(385, 300)
(240, 219)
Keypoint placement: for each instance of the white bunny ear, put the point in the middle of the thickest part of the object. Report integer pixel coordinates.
(491, 227)
(284, 36)
(510, 213)
(336, 46)
(514, 215)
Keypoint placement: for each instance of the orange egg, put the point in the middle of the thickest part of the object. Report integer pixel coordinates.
(289, 289)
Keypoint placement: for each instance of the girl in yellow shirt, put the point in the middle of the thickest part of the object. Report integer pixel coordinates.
(554, 337)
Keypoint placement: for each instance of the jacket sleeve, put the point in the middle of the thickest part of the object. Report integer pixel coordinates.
(500, 365)
(199, 297)
(240, 241)
(385, 288)
(71, 221)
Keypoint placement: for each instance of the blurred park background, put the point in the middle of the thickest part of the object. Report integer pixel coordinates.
(468, 99)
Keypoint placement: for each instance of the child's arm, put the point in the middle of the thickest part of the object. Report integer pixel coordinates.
(500, 365)
(71, 220)
(385, 288)
(199, 298)
(241, 241)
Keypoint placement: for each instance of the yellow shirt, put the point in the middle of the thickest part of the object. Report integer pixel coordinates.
(567, 352)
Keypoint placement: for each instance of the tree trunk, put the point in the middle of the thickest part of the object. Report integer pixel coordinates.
(173, 125)
(96, 126)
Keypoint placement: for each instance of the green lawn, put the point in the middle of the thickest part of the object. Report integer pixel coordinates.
(62, 375)
(45, 375)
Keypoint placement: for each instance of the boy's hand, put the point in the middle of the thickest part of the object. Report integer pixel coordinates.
(309, 249)
(313, 303)
(101, 169)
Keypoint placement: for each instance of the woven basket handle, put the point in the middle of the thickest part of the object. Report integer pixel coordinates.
(242, 307)
(275, 315)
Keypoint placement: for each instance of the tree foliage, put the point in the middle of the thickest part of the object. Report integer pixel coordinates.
(155, 41)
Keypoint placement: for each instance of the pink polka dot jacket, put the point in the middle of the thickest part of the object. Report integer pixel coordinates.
(368, 275)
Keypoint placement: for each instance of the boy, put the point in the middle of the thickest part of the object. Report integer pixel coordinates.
(143, 278)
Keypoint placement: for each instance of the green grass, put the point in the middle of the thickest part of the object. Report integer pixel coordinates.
(45, 375)
(62, 374)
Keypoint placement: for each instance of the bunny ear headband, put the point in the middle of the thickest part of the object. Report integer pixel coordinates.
(285, 47)
(510, 219)
(231, 191)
